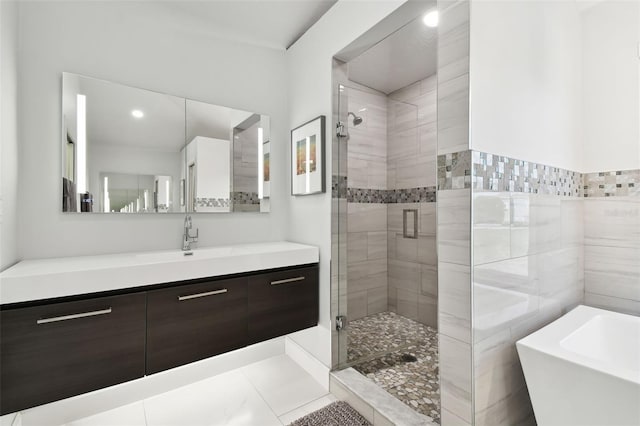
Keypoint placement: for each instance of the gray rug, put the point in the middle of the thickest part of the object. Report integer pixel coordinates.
(337, 413)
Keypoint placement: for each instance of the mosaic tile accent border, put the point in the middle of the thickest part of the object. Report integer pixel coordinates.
(499, 173)
(488, 172)
(339, 189)
(364, 195)
(424, 194)
(240, 197)
(212, 202)
(338, 186)
(454, 170)
(618, 183)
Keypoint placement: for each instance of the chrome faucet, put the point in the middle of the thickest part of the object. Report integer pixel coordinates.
(187, 238)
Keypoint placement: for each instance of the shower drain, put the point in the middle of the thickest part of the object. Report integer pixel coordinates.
(408, 358)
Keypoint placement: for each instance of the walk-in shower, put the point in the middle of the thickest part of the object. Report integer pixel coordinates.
(384, 210)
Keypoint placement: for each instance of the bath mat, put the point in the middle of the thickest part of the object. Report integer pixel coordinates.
(337, 413)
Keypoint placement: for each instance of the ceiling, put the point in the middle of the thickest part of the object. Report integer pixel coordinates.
(406, 56)
(269, 23)
(110, 121)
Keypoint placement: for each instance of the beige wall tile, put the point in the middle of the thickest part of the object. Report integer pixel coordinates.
(404, 275)
(407, 303)
(454, 226)
(357, 305)
(363, 217)
(428, 310)
(376, 245)
(455, 377)
(356, 246)
(454, 301)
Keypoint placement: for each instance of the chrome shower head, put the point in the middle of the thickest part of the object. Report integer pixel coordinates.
(356, 120)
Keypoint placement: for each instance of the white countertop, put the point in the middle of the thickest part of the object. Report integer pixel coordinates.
(39, 279)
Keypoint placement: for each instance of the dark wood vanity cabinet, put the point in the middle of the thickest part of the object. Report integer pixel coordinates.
(57, 350)
(51, 350)
(282, 302)
(196, 321)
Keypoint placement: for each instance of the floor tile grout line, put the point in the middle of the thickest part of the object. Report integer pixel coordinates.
(307, 403)
(260, 393)
(144, 411)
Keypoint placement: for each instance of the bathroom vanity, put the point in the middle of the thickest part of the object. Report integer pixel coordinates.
(66, 330)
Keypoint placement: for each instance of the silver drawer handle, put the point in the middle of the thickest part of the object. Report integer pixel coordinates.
(197, 295)
(74, 316)
(288, 280)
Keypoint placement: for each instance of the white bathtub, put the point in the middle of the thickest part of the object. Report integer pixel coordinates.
(584, 369)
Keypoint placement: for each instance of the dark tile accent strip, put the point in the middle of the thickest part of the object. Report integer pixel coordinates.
(618, 183)
(364, 195)
(239, 197)
(338, 186)
(426, 194)
(423, 194)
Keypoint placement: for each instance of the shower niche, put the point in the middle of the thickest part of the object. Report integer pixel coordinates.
(385, 278)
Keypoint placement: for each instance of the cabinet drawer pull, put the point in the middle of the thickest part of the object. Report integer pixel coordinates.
(197, 295)
(74, 316)
(288, 280)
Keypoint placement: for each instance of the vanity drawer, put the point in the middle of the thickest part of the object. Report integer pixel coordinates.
(54, 351)
(191, 322)
(282, 302)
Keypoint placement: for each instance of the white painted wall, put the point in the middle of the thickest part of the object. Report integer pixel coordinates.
(610, 36)
(142, 45)
(526, 81)
(310, 95)
(8, 133)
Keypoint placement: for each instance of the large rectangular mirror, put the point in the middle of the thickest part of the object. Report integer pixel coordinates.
(129, 150)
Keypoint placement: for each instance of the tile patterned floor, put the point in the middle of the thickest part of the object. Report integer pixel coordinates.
(376, 345)
(272, 392)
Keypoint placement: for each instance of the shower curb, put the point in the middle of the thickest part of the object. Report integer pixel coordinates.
(373, 402)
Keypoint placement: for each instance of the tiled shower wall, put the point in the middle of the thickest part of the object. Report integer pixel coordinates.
(392, 168)
(366, 216)
(411, 172)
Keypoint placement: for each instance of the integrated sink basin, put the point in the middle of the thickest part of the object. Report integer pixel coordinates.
(41, 279)
(584, 369)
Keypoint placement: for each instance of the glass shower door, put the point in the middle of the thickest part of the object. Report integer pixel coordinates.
(373, 284)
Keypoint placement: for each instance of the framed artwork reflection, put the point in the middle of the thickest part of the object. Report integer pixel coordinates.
(308, 158)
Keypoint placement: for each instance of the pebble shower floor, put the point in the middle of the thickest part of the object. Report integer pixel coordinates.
(376, 346)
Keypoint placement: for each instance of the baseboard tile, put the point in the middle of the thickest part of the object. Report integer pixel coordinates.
(308, 362)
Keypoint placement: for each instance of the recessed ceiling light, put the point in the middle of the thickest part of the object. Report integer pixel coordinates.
(137, 113)
(431, 19)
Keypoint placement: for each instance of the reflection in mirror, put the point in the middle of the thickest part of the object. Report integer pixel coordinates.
(225, 159)
(124, 151)
(122, 148)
